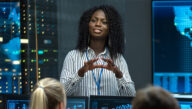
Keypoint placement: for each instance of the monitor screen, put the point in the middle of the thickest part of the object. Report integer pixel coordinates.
(172, 45)
(17, 102)
(10, 46)
(23, 102)
(110, 102)
(185, 103)
(77, 103)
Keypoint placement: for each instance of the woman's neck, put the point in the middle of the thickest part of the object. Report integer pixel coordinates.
(98, 46)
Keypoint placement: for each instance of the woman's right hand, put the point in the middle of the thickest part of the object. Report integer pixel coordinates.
(88, 66)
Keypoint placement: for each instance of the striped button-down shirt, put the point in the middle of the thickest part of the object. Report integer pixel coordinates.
(86, 86)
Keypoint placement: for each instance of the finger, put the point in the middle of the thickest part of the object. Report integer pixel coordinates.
(97, 66)
(106, 60)
(115, 67)
(109, 61)
(85, 63)
(105, 66)
(110, 67)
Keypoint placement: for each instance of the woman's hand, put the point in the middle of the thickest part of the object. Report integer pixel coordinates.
(111, 66)
(88, 66)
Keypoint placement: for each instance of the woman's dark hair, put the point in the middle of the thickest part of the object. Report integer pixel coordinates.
(115, 38)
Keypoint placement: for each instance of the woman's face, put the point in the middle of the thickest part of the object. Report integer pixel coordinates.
(98, 25)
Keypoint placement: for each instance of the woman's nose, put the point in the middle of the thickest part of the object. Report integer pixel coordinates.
(98, 23)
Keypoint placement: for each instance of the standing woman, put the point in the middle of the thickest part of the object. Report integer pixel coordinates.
(96, 66)
(48, 94)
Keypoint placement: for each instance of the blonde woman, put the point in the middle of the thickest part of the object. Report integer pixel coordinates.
(48, 94)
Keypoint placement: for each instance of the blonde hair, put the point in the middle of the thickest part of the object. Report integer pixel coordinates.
(48, 93)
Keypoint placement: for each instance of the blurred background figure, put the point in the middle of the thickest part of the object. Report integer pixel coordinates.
(154, 98)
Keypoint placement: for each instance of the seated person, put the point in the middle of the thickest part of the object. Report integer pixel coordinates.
(154, 98)
(48, 94)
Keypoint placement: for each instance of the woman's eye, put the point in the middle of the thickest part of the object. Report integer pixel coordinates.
(93, 20)
(104, 22)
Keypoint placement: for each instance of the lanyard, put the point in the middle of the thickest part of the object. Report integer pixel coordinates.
(99, 81)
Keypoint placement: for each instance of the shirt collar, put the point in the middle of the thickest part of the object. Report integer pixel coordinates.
(90, 50)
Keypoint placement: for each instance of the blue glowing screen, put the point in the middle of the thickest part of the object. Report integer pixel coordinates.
(172, 45)
(72, 103)
(10, 68)
(76, 103)
(185, 103)
(18, 104)
(110, 102)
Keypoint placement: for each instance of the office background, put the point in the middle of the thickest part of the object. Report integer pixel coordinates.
(36, 36)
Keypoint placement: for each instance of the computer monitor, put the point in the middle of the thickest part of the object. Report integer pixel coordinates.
(185, 103)
(17, 102)
(10, 47)
(110, 102)
(172, 45)
(22, 102)
(77, 102)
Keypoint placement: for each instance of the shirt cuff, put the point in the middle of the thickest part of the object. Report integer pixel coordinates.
(76, 78)
(123, 81)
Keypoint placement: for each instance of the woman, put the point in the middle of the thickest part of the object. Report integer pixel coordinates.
(96, 66)
(48, 94)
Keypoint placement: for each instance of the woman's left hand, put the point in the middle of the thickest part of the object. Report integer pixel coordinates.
(111, 66)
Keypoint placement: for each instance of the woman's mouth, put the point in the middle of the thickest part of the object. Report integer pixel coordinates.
(97, 31)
